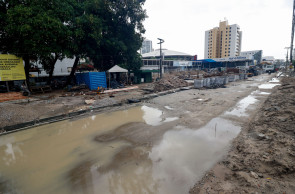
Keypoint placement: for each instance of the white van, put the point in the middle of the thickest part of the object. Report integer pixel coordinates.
(268, 68)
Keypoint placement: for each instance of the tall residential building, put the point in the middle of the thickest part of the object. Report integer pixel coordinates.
(223, 41)
(147, 46)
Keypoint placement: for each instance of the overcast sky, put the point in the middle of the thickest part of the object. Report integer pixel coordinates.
(266, 24)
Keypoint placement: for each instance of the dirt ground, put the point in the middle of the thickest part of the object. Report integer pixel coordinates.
(262, 157)
(15, 109)
(193, 109)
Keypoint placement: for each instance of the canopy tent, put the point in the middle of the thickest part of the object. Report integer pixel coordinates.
(117, 69)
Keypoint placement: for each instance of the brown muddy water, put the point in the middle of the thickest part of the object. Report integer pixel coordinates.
(114, 153)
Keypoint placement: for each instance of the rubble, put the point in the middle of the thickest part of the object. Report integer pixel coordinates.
(169, 82)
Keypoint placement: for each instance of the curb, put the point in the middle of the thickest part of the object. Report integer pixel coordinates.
(39, 122)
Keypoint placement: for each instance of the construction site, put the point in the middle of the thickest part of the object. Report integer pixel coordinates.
(189, 132)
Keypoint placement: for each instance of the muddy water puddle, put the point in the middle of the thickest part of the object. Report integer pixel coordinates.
(64, 157)
(184, 155)
(247, 103)
(268, 86)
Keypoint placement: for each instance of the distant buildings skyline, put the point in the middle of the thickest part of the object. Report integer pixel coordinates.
(223, 41)
(147, 46)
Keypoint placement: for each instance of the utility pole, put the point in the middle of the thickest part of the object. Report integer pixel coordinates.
(161, 57)
(287, 56)
(292, 35)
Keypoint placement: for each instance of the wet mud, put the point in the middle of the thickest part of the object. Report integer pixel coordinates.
(262, 157)
(162, 146)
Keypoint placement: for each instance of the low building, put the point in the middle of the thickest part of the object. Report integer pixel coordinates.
(239, 61)
(167, 55)
(151, 61)
(257, 55)
(268, 59)
(61, 68)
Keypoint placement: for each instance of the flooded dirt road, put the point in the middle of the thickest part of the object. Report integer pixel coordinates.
(162, 146)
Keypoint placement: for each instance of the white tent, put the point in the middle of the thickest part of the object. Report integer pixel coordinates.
(117, 69)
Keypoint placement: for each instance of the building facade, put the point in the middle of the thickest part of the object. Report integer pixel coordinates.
(147, 46)
(257, 54)
(223, 41)
(269, 59)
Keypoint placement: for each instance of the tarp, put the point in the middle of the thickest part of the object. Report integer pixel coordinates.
(206, 61)
(92, 79)
(117, 69)
(11, 68)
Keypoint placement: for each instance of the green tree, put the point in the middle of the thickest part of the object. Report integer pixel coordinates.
(106, 31)
(122, 31)
(86, 32)
(34, 29)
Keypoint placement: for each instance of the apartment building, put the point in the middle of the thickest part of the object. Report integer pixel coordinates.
(223, 41)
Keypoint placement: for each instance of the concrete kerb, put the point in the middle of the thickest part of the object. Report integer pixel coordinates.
(39, 122)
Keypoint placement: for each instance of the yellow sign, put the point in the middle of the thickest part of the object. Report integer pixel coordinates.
(11, 68)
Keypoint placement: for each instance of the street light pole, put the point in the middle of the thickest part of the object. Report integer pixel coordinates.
(292, 35)
(287, 57)
(161, 57)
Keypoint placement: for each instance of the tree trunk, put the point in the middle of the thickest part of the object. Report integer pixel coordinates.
(71, 76)
(52, 65)
(27, 70)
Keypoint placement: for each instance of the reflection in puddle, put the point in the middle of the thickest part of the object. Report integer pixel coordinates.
(170, 119)
(152, 116)
(258, 92)
(268, 86)
(168, 107)
(274, 80)
(242, 106)
(41, 159)
(264, 93)
(184, 155)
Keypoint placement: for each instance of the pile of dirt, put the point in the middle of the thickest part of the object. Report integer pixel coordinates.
(263, 156)
(169, 82)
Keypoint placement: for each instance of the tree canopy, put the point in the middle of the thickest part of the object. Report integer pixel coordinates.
(108, 32)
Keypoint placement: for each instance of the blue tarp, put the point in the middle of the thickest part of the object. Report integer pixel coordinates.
(205, 61)
(92, 79)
